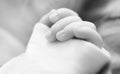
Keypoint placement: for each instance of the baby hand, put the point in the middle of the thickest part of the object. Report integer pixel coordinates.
(66, 24)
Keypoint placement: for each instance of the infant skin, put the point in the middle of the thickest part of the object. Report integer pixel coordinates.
(61, 43)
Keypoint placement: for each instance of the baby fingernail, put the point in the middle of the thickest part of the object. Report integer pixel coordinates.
(61, 36)
(54, 17)
(50, 37)
(53, 10)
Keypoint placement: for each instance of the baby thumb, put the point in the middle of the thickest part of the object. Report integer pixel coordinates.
(38, 36)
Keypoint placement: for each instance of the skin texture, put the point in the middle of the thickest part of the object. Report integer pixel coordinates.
(16, 15)
(11, 13)
(18, 18)
(44, 57)
(69, 57)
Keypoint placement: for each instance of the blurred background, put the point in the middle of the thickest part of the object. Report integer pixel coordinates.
(106, 16)
(18, 17)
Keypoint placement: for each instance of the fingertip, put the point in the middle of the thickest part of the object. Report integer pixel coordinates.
(53, 10)
(64, 35)
(45, 19)
(60, 36)
(97, 40)
(90, 24)
(54, 17)
(88, 33)
(67, 11)
(50, 37)
(61, 13)
(106, 52)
